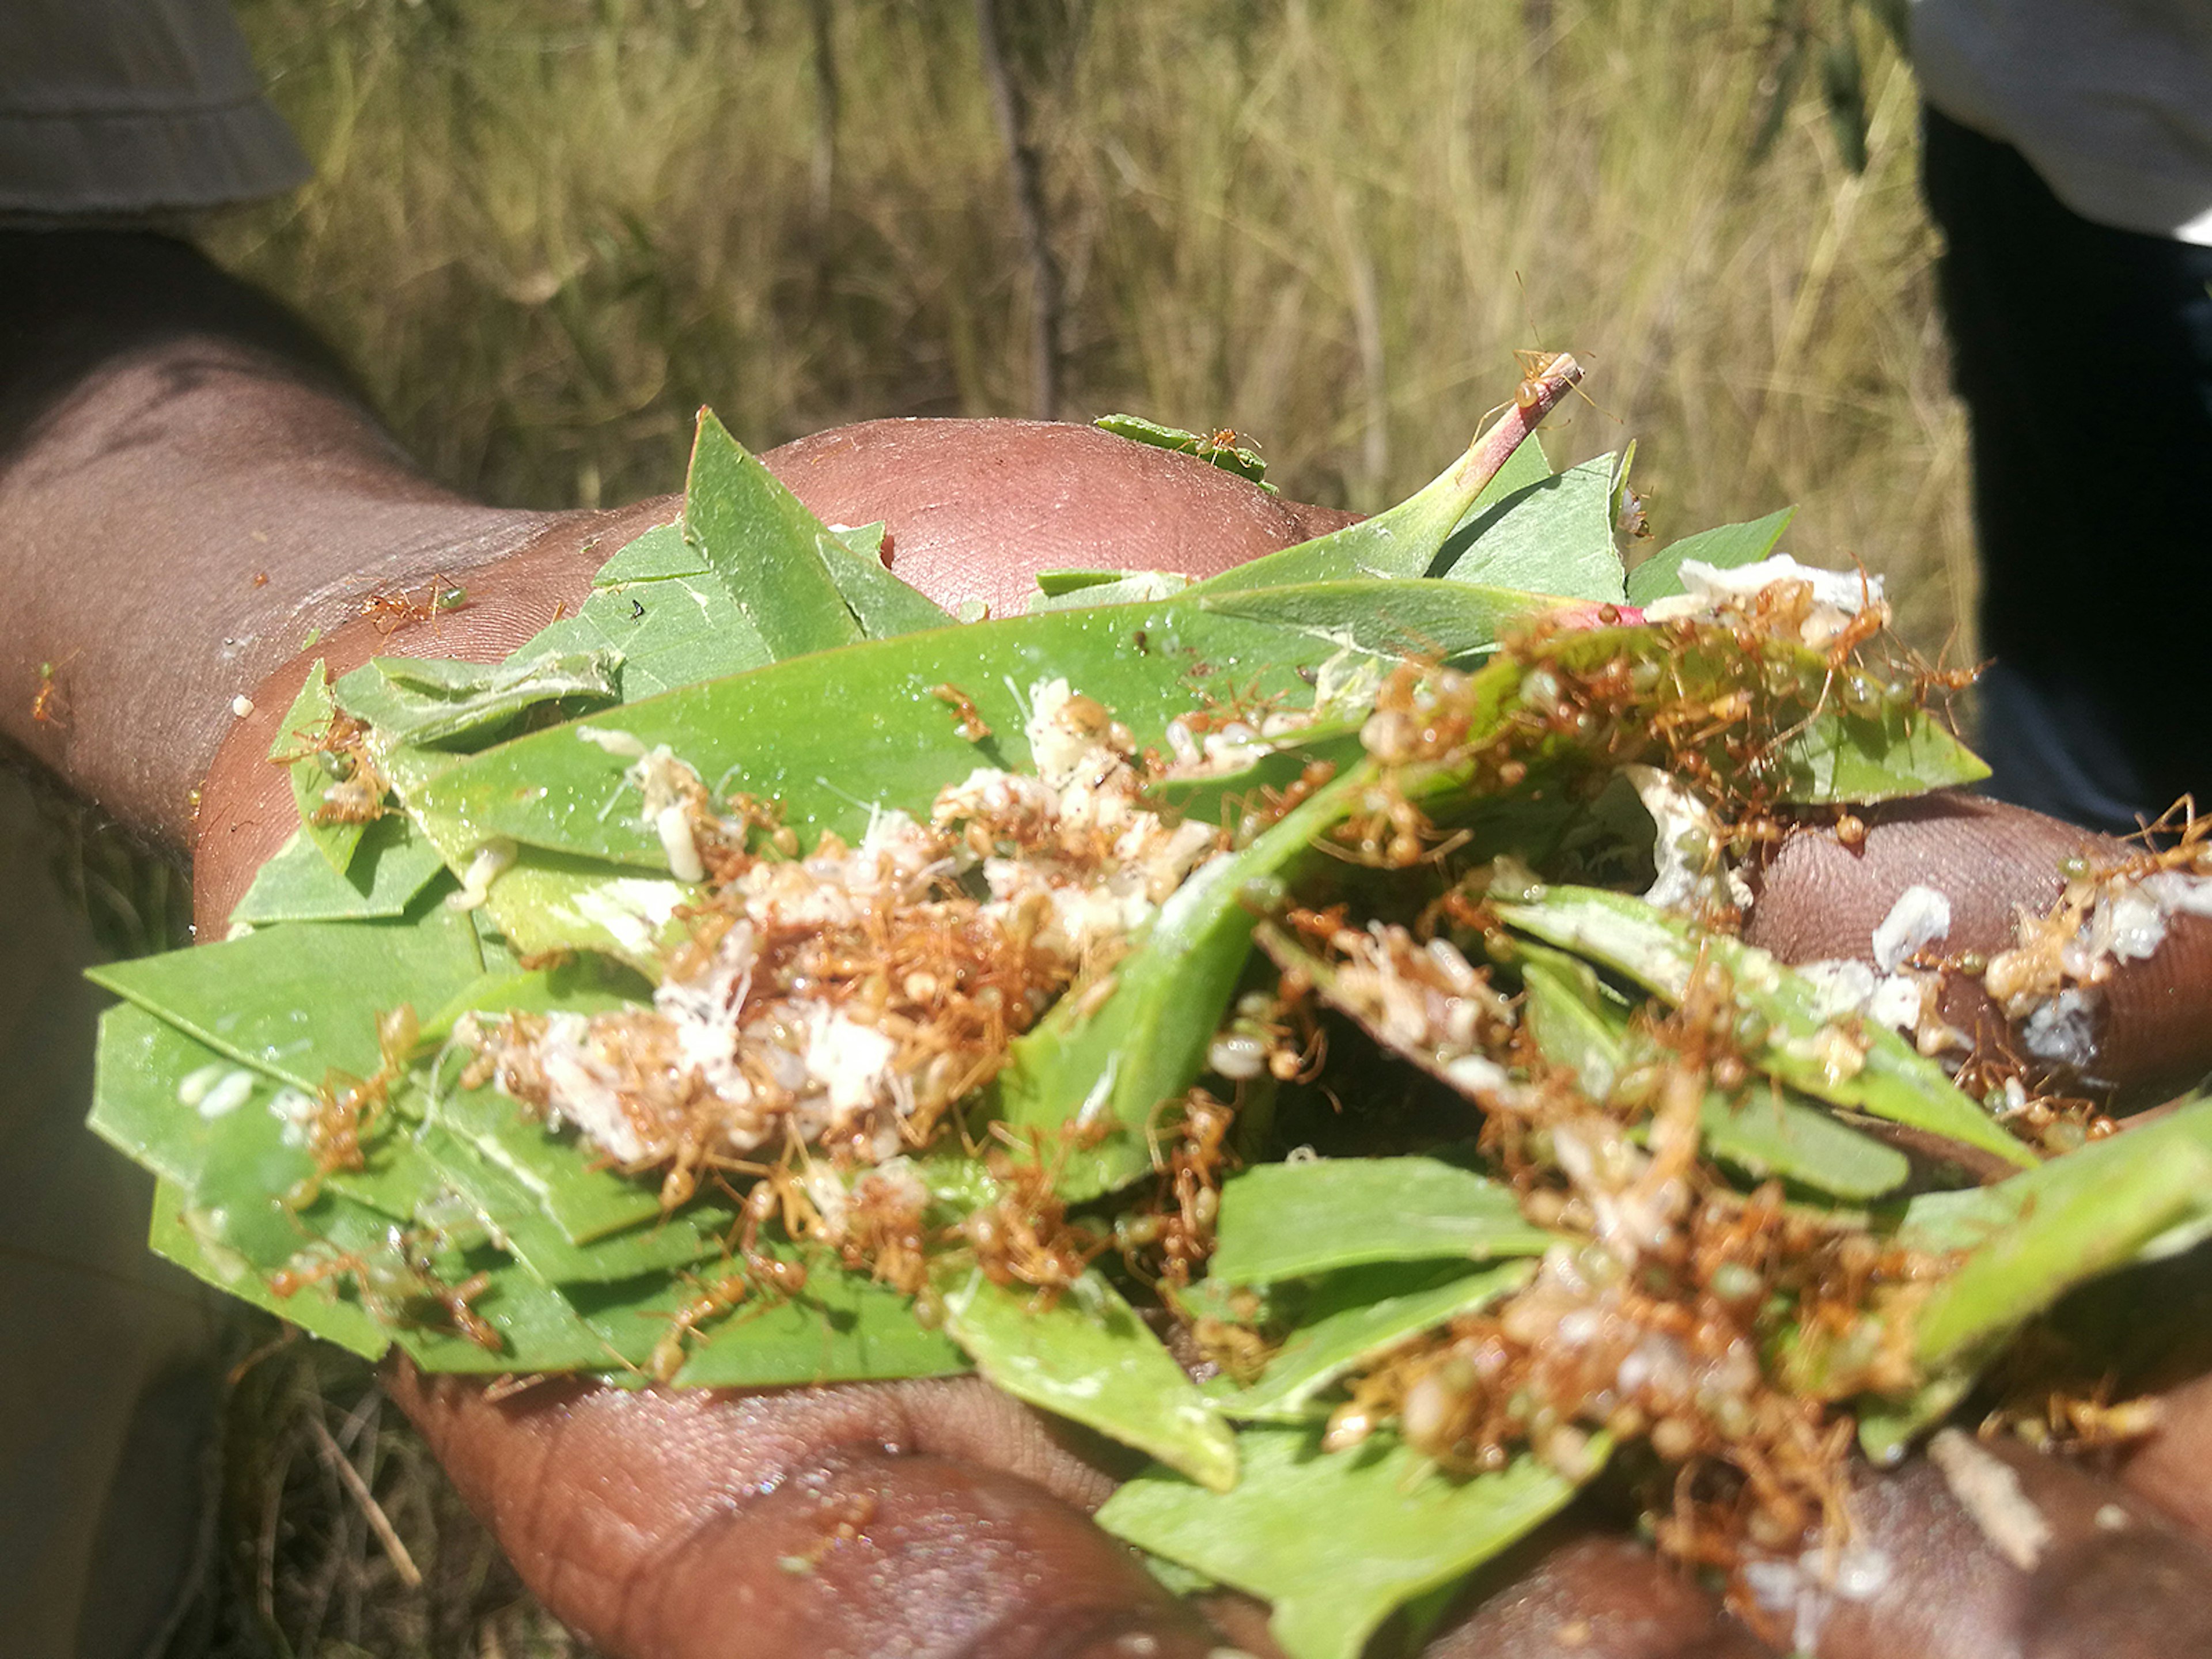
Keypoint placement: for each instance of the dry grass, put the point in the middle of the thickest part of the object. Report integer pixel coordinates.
(546, 230)
(339, 1538)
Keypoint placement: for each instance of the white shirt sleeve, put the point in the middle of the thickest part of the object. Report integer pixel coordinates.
(123, 108)
(2110, 100)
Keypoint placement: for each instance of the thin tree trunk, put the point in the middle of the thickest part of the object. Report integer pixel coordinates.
(1026, 173)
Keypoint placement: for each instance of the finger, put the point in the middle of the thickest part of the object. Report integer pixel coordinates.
(1817, 898)
(974, 509)
(977, 508)
(1994, 1551)
(2172, 1469)
(923, 1518)
(1591, 1597)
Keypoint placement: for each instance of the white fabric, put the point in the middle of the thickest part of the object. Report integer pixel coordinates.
(2110, 100)
(117, 107)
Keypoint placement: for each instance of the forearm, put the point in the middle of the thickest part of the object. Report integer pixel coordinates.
(187, 487)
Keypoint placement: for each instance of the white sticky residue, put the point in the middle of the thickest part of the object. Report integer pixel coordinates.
(706, 1010)
(296, 1111)
(2062, 1030)
(1841, 985)
(1842, 590)
(192, 1088)
(1836, 596)
(851, 1060)
(1862, 1571)
(1988, 1489)
(1896, 1003)
(493, 859)
(1478, 1074)
(1686, 844)
(1056, 744)
(1920, 917)
(1237, 1055)
(584, 1093)
(1101, 1097)
(1347, 684)
(227, 1094)
(672, 824)
(2179, 893)
(633, 909)
(2128, 924)
(621, 744)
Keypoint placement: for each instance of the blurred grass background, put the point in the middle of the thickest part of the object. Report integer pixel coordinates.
(546, 230)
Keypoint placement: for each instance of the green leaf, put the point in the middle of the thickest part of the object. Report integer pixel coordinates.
(539, 1330)
(1527, 464)
(1766, 1134)
(392, 863)
(304, 726)
(1903, 751)
(1724, 548)
(1357, 1315)
(1555, 536)
(514, 1216)
(547, 901)
(1220, 796)
(435, 700)
(585, 1202)
(1576, 1018)
(1057, 583)
(159, 1094)
(841, 1327)
(1335, 1541)
(588, 984)
(1128, 588)
(1578, 1021)
(770, 552)
(667, 631)
(883, 606)
(1293, 1220)
(2073, 1220)
(1229, 457)
(1888, 1078)
(2027, 1240)
(1404, 540)
(346, 1323)
(297, 999)
(1089, 1357)
(895, 742)
(1399, 619)
(651, 555)
(1147, 1042)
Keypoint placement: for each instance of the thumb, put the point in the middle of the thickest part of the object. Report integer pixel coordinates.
(928, 1518)
(2148, 1031)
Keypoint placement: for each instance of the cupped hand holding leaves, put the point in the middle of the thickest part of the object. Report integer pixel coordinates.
(938, 1516)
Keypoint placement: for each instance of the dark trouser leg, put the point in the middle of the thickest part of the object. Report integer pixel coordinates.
(2084, 354)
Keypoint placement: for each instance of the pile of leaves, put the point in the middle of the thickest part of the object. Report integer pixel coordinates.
(1294, 1024)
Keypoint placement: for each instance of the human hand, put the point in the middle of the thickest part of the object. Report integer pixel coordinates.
(939, 1517)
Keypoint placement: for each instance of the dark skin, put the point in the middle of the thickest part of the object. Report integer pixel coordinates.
(167, 435)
